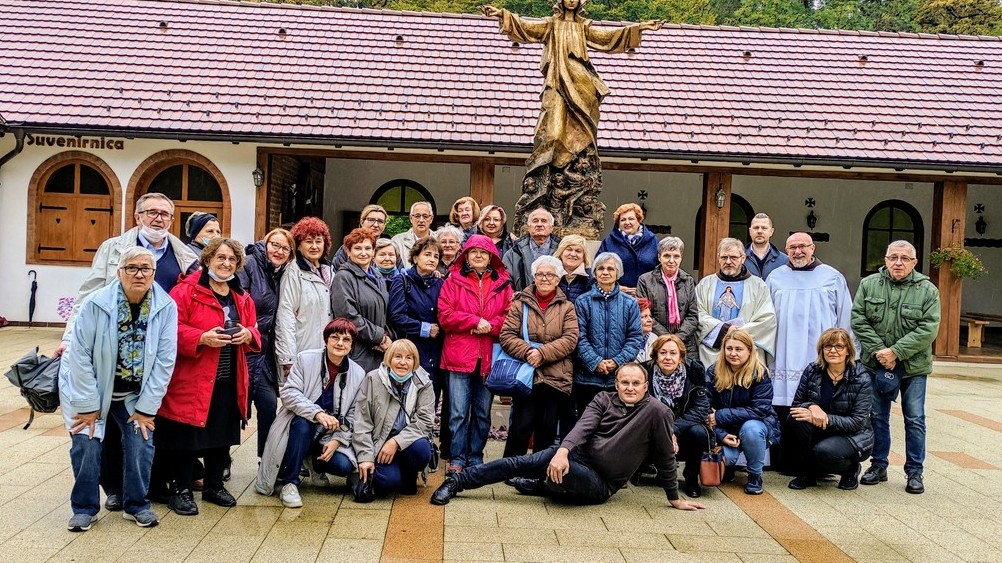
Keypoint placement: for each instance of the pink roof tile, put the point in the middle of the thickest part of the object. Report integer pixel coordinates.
(341, 75)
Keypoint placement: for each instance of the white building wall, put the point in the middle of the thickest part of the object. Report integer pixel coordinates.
(235, 162)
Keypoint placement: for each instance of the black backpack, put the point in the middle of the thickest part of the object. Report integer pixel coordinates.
(38, 379)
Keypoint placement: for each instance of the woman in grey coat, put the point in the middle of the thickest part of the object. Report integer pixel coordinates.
(359, 295)
(672, 293)
(315, 420)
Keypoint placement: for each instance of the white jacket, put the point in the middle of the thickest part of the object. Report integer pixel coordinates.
(304, 309)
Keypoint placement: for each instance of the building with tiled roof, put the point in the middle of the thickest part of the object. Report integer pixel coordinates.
(878, 134)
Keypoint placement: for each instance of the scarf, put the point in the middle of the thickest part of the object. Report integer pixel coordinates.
(673, 316)
(668, 388)
(132, 336)
(387, 272)
(633, 239)
(741, 275)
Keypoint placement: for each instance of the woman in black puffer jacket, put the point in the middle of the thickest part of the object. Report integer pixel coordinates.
(681, 385)
(266, 259)
(828, 430)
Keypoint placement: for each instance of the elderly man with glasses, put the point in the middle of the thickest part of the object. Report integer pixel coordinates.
(421, 217)
(154, 215)
(734, 298)
(896, 317)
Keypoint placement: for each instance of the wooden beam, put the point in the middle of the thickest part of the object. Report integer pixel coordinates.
(716, 220)
(261, 198)
(948, 214)
(482, 181)
(392, 155)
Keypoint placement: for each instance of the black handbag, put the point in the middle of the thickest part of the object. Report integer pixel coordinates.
(363, 491)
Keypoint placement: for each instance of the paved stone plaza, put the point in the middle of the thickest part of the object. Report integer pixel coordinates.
(959, 518)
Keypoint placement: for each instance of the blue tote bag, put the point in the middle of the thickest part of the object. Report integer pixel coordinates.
(511, 377)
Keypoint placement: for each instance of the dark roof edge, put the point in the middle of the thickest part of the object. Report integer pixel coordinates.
(745, 29)
(749, 158)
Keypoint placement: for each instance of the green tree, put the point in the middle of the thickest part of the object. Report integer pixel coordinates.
(723, 10)
(845, 14)
(772, 13)
(895, 15)
(962, 17)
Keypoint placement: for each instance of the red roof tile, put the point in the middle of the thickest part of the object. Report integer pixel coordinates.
(340, 75)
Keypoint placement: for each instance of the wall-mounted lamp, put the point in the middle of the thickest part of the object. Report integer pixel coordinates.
(258, 176)
(981, 226)
(812, 220)
(721, 198)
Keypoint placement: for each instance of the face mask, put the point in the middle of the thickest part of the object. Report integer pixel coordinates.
(205, 240)
(217, 278)
(400, 378)
(385, 271)
(153, 235)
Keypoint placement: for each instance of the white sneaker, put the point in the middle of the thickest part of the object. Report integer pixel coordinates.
(290, 496)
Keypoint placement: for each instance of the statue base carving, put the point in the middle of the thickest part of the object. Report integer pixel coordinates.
(571, 194)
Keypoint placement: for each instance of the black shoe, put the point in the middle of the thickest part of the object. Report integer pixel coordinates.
(113, 503)
(801, 482)
(850, 479)
(691, 488)
(728, 474)
(914, 485)
(531, 487)
(183, 503)
(220, 497)
(444, 493)
(874, 475)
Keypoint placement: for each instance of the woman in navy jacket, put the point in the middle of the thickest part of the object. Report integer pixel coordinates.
(635, 245)
(741, 401)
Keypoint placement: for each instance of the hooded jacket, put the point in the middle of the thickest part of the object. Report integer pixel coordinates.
(198, 310)
(464, 300)
(413, 309)
(900, 315)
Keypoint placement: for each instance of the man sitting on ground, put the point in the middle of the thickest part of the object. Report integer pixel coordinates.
(616, 433)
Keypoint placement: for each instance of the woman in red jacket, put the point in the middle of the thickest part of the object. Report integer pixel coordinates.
(207, 397)
(472, 307)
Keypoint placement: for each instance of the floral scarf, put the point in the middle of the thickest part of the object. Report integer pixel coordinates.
(668, 388)
(132, 337)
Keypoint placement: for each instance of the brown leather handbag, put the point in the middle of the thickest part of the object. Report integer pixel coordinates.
(711, 466)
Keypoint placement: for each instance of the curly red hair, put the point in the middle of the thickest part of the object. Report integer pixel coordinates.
(358, 235)
(309, 227)
(643, 303)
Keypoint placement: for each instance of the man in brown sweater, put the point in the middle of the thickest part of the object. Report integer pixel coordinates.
(615, 435)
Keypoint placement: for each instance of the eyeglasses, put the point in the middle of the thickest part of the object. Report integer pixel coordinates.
(731, 258)
(154, 214)
(278, 247)
(224, 259)
(424, 216)
(544, 276)
(896, 258)
(836, 347)
(133, 270)
(798, 247)
(374, 221)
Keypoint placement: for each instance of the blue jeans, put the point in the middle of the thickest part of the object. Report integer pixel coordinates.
(581, 485)
(754, 436)
(301, 444)
(401, 473)
(137, 459)
(913, 409)
(469, 418)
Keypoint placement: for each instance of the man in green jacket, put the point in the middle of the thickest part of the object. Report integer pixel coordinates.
(895, 316)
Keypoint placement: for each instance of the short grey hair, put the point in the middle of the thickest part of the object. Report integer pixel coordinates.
(449, 230)
(729, 242)
(903, 244)
(425, 203)
(547, 260)
(544, 210)
(152, 195)
(671, 243)
(609, 257)
(134, 252)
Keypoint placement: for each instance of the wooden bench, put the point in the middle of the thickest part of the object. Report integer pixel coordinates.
(976, 323)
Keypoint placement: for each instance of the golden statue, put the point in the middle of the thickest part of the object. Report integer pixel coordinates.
(565, 144)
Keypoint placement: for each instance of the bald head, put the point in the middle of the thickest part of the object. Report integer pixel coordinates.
(800, 249)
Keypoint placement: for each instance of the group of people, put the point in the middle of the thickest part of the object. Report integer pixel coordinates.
(347, 361)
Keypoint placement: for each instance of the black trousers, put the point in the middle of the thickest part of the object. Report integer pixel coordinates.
(583, 395)
(693, 442)
(535, 417)
(183, 467)
(440, 384)
(812, 451)
(582, 484)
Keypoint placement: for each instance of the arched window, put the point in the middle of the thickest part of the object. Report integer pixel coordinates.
(741, 216)
(191, 181)
(397, 196)
(889, 221)
(72, 203)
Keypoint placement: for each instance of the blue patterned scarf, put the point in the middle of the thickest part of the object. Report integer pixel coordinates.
(132, 337)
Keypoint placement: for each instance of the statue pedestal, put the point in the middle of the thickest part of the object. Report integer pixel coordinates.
(571, 194)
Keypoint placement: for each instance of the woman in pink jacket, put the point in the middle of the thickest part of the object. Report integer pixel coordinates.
(472, 308)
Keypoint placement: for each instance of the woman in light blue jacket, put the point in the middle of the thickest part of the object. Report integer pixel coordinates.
(117, 368)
